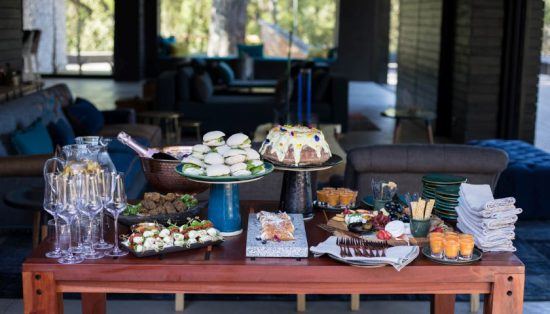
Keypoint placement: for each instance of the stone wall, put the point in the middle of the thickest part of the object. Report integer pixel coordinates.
(11, 34)
(418, 53)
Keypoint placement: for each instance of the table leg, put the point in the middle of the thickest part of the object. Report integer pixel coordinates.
(443, 304)
(39, 293)
(35, 228)
(355, 302)
(179, 302)
(300, 302)
(94, 303)
(397, 131)
(506, 295)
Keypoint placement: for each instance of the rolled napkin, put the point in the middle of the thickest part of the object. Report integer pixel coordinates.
(397, 256)
(476, 195)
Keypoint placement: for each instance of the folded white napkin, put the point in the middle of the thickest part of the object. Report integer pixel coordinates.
(476, 195)
(397, 256)
(501, 221)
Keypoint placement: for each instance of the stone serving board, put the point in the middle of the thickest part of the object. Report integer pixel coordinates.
(296, 248)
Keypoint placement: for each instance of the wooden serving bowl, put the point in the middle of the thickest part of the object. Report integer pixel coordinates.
(162, 176)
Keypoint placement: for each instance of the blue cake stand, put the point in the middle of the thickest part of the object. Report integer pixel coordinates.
(223, 202)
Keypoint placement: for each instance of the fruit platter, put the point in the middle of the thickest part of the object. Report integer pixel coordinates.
(161, 208)
(150, 238)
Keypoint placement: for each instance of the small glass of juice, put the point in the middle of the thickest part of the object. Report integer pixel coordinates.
(436, 246)
(466, 248)
(451, 249)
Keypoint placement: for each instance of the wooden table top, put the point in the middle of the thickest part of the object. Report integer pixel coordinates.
(232, 252)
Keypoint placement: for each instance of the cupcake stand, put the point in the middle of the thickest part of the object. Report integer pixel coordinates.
(296, 194)
(223, 202)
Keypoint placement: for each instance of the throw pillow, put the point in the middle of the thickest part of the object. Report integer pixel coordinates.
(85, 117)
(254, 51)
(33, 140)
(226, 73)
(203, 87)
(61, 132)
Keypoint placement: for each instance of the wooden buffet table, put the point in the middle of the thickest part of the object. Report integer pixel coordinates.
(226, 270)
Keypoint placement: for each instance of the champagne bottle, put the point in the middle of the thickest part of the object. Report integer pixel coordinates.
(142, 151)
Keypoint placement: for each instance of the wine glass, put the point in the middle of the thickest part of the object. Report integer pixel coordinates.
(78, 184)
(52, 205)
(91, 206)
(68, 212)
(105, 185)
(116, 206)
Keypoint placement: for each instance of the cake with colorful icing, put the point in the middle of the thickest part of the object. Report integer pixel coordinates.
(296, 146)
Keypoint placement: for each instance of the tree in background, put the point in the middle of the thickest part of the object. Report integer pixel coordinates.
(90, 25)
(227, 26)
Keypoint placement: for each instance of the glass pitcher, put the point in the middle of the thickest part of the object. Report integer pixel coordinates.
(101, 143)
(75, 159)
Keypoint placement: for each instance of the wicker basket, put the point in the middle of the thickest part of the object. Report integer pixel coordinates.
(162, 176)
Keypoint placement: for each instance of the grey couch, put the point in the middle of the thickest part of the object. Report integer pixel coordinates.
(405, 164)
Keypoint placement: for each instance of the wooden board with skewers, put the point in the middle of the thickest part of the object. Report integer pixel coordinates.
(338, 227)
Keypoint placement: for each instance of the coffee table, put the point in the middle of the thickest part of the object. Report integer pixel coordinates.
(225, 269)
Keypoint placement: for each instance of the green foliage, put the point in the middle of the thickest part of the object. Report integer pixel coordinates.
(96, 25)
(188, 22)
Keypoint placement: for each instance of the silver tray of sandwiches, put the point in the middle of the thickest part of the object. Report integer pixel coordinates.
(221, 161)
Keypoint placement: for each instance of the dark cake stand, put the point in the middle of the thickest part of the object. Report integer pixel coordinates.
(296, 195)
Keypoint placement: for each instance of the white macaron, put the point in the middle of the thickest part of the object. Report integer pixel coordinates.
(238, 140)
(213, 138)
(221, 149)
(251, 154)
(192, 160)
(194, 171)
(234, 156)
(201, 148)
(238, 167)
(217, 170)
(213, 159)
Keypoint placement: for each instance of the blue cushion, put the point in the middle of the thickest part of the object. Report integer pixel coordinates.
(254, 51)
(33, 140)
(525, 178)
(61, 132)
(226, 73)
(85, 117)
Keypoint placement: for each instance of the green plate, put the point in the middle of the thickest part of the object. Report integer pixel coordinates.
(445, 211)
(227, 179)
(445, 206)
(446, 198)
(438, 178)
(443, 195)
(448, 189)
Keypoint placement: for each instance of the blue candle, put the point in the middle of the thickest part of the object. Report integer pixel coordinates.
(308, 99)
(300, 97)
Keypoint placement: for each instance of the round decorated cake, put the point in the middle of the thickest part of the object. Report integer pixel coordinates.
(296, 146)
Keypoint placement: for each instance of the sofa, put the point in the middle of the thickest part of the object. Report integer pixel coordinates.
(524, 178)
(49, 106)
(405, 164)
(177, 91)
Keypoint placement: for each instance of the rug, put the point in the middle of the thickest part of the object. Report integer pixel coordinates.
(532, 243)
(358, 122)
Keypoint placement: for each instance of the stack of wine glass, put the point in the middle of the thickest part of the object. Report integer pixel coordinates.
(79, 199)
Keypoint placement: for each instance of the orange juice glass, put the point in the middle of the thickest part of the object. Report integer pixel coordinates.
(465, 236)
(436, 246)
(466, 248)
(450, 233)
(435, 235)
(451, 249)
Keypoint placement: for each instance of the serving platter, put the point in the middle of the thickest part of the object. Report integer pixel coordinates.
(331, 162)
(476, 256)
(331, 209)
(172, 249)
(297, 248)
(226, 179)
(175, 218)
